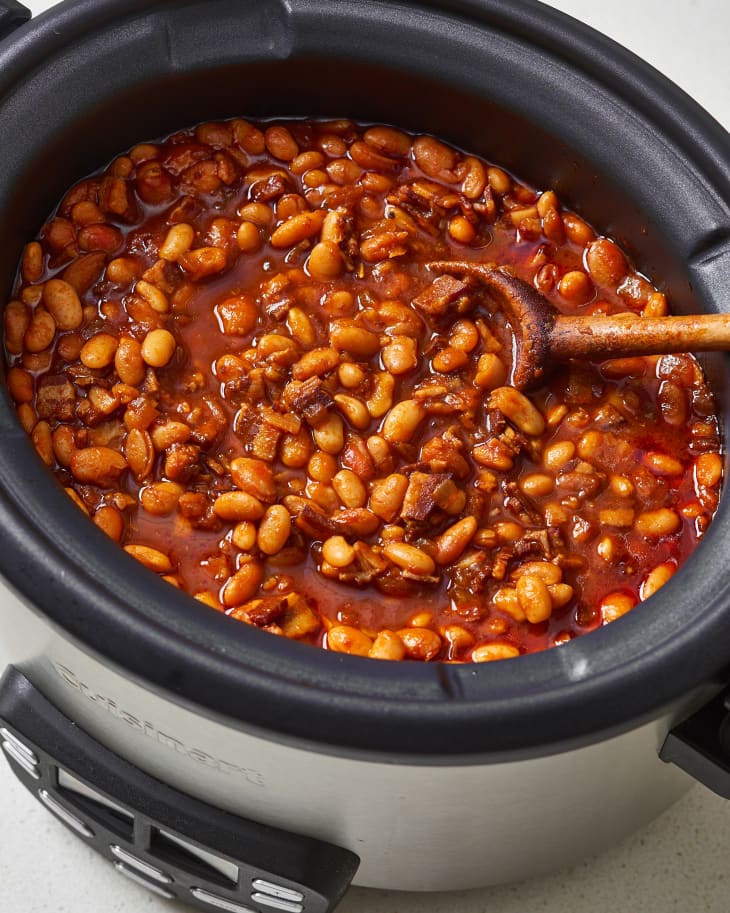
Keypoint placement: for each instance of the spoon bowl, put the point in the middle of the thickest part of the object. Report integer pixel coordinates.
(543, 336)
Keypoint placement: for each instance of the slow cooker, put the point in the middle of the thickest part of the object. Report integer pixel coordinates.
(237, 771)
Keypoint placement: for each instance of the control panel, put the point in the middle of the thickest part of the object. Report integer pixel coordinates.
(168, 842)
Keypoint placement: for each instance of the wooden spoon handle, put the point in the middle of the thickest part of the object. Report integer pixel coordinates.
(621, 335)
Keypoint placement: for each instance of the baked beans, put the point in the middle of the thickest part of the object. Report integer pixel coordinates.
(229, 349)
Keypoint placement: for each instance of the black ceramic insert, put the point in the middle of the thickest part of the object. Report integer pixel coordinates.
(508, 79)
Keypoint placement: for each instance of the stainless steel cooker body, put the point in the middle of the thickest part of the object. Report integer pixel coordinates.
(423, 824)
(321, 767)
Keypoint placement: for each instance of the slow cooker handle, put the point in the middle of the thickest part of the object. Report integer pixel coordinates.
(171, 843)
(12, 14)
(700, 745)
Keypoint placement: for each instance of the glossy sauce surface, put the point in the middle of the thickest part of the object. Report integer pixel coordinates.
(325, 443)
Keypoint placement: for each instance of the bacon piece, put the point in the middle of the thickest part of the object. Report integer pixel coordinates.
(56, 398)
(182, 462)
(270, 187)
(165, 275)
(367, 566)
(312, 522)
(425, 493)
(352, 522)
(520, 505)
(425, 202)
(309, 399)
(444, 454)
(261, 611)
(444, 294)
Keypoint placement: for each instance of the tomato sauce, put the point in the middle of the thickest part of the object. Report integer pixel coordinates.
(257, 318)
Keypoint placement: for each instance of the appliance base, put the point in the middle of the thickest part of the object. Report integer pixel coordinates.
(172, 844)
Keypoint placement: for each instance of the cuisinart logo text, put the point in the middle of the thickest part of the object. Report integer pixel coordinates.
(134, 722)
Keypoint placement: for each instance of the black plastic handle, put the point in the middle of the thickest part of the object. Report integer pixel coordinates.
(171, 843)
(700, 745)
(12, 14)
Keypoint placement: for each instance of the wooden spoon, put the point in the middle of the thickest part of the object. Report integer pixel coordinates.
(542, 334)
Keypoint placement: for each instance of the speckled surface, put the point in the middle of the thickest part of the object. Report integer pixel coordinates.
(677, 863)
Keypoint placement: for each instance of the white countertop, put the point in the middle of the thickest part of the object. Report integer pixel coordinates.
(676, 864)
